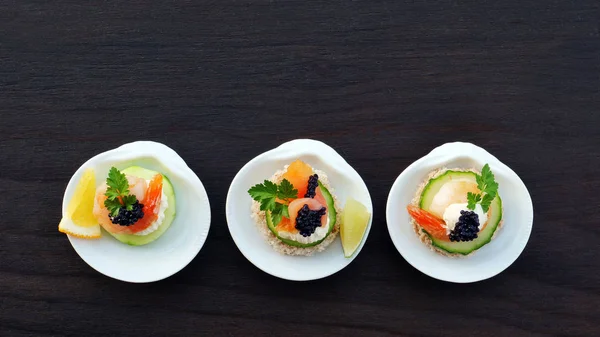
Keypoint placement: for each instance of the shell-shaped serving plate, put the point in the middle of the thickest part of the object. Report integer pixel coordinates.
(177, 246)
(490, 259)
(345, 181)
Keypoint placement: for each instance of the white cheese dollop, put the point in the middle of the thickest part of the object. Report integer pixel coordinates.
(452, 213)
(319, 234)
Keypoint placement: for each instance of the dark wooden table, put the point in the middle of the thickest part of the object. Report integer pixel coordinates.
(383, 82)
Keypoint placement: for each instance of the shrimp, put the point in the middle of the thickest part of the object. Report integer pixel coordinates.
(137, 187)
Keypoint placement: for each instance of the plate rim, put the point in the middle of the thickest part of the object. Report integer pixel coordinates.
(441, 151)
(181, 165)
(259, 157)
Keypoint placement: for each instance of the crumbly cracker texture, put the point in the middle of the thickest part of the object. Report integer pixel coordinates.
(261, 221)
(419, 230)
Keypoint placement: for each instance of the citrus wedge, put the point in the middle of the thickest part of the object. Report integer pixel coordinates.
(67, 226)
(79, 219)
(355, 219)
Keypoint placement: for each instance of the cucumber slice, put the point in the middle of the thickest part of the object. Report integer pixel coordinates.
(431, 204)
(139, 240)
(332, 213)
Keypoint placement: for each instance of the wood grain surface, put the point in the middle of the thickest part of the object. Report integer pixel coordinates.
(383, 82)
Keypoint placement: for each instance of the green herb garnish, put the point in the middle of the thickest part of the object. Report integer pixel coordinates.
(488, 186)
(268, 194)
(117, 192)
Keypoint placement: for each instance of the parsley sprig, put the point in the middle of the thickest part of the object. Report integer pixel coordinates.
(488, 186)
(269, 194)
(117, 192)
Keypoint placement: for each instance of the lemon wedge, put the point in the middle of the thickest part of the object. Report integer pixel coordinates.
(355, 219)
(79, 220)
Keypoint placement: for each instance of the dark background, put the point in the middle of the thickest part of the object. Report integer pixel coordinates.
(383, 82)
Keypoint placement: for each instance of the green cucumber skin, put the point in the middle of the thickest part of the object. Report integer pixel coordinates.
(332, 219)
(170, 212)
(485, 236)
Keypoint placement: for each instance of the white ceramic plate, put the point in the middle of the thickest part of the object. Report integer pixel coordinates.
(343, 178)
(177, 246)
(490, 259)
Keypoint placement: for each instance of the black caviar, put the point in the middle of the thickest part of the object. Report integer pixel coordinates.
(128, 218)
(466, 228)
(308, 220)
(313, 182)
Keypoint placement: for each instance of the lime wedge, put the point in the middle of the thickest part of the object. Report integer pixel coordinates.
(355, 218)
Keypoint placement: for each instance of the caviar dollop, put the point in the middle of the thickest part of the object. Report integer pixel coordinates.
(466, 228)
(313, 183)
(127, 217)
(308, 220)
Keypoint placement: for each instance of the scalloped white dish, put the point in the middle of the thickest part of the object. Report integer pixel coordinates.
(177, 246)
(489, 260)
(342, 177)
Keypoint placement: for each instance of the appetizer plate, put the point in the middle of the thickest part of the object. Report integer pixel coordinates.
(345, 181)
(177, 246)
(490, 259)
